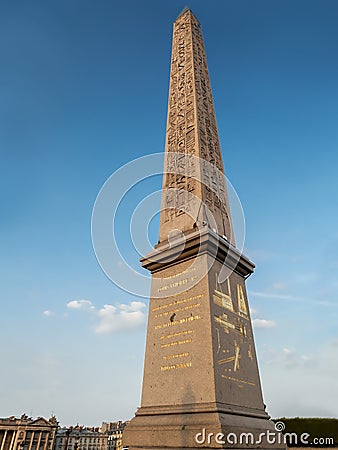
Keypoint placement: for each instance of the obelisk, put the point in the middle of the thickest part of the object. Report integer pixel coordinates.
(200, 369)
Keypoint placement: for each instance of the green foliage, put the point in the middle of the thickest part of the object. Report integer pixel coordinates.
(316, 427)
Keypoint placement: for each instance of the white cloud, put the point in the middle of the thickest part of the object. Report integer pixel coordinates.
(80, 304)
(122, 317)
(112, 318)
(47, 313)
(133, 306)
(263, 323)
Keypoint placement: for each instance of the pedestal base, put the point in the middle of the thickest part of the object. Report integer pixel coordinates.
(211, 428)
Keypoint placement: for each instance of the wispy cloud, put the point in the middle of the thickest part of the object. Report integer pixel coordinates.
(48, 313)
(287, 357)
(326, 303)
(280, 286)
(263, 323)
(275, 295)
(294, 298)
(253, 311)
(290, 358)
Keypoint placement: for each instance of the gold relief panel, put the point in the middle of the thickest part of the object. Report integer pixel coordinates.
(233, 359)
(241, 300)
(221, 298)
(224, 323)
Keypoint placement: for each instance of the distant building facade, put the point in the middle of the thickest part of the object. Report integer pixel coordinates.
(115, 431)
(26, 433)
(80, 438)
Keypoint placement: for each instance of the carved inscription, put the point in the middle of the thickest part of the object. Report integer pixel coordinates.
(178, 355)
(177, 280)
(172, 317)
(172, 344)
(176, 366)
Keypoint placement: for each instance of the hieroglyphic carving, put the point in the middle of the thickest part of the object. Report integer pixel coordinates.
(192, 130)
(181, 130)
(214, 191)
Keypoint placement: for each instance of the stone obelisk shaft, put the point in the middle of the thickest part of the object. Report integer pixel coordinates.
(192, 132)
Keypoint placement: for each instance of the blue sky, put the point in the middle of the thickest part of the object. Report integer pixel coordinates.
(83, 90)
